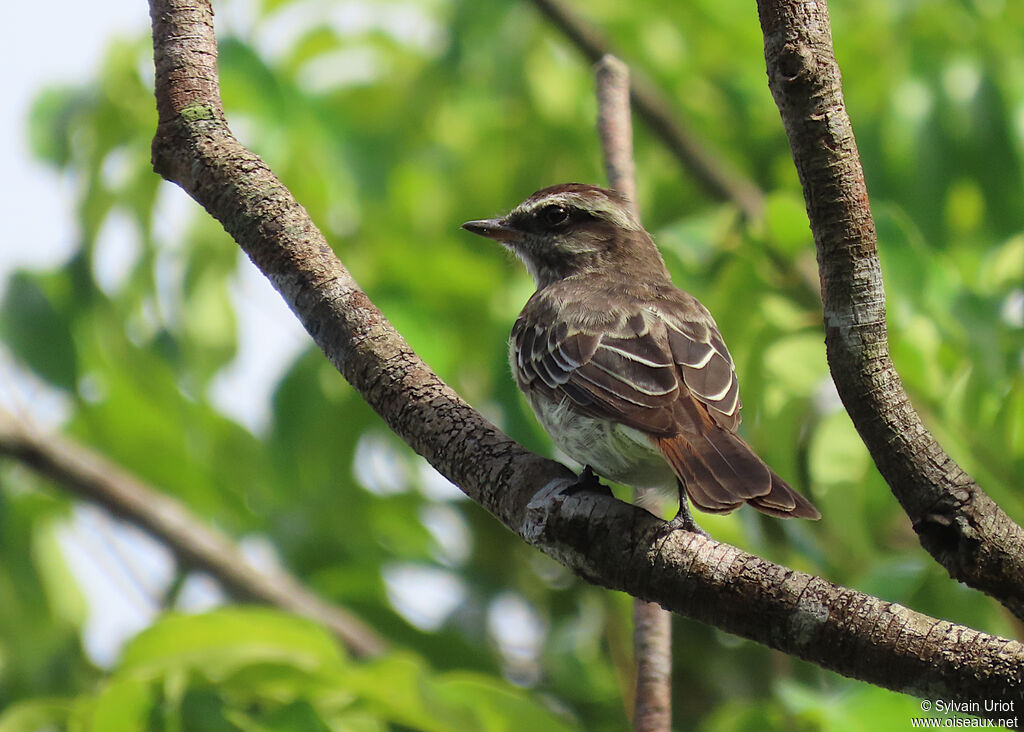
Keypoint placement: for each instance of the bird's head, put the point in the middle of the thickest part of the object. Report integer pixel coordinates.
(571, 229)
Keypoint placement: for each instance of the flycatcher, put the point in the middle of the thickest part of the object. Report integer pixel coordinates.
(627, 373)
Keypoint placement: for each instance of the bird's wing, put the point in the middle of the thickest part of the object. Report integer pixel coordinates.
(620, 370)
(704, 363)
(663, 369)
(634, 365)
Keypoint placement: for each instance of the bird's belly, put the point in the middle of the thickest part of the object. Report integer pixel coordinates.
(615, 451)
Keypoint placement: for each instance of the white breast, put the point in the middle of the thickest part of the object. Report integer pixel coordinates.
(615, 451)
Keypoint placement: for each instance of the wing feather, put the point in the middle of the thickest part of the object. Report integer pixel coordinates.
(663, 369)
(632, 367)
(707, 368)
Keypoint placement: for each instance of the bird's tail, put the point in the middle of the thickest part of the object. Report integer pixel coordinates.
(720, 472)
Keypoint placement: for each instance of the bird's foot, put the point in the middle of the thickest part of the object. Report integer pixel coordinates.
(588, 482)
(684, 521)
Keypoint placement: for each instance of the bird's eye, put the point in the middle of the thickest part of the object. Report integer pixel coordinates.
(553, 215)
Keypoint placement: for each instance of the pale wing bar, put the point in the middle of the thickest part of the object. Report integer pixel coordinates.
(627, 376)
(706, 367)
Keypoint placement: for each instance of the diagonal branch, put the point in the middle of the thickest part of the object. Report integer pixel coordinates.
(719, 178)
(955, 520)
(606, 541)
(195, 545)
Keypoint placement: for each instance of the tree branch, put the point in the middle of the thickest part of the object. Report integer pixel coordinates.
(837, 628)
(615, 126)
(606, 541)
(719, 178)
(956, 521)
(652, 626)
(195, 545)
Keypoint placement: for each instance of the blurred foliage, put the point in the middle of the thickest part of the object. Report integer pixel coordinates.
(392, 122)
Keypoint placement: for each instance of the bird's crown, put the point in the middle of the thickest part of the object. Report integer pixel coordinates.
(557, 204)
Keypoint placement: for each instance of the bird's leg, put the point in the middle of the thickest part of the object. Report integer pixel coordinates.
(588, 482)
(683, 519)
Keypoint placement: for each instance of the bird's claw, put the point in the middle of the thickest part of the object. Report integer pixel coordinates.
(588, 482)
(684, 521)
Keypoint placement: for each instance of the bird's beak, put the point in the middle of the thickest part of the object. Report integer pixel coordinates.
(495, 229)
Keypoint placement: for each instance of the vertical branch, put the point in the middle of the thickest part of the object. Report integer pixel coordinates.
(652, 626)
(614, 125)
(652, 644)
(955, 520)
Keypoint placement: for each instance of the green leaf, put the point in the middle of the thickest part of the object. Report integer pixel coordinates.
(122, 705)
(59, 582)
(34, 715)
(795, 365)
(499, 707)
(401, 688)
(35, 325)
(225, 641)
(52, 117)
(858, 709)
(837, 454)
(785, 221)
(298, 716)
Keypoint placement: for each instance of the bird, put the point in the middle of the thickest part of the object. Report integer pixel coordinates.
(627, 373)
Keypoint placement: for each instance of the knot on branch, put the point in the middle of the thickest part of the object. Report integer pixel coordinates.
(945, 532)
(794, 62)
(172, 152)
